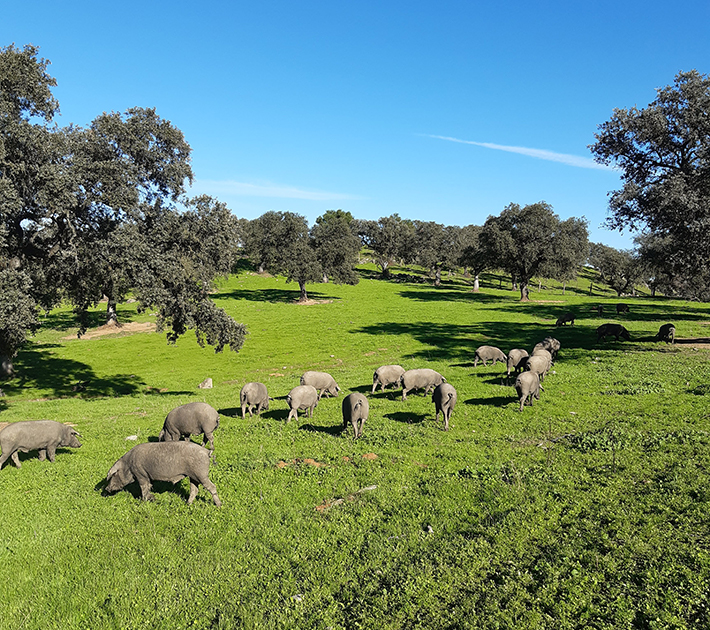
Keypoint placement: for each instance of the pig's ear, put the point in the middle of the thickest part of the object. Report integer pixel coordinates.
(75, 432)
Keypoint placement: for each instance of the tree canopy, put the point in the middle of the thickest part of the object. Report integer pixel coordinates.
(531, 240)
(75, 204)
(663, 154)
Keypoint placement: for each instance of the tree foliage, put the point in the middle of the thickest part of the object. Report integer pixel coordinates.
(531, 240)
(74, 204)
(663, 154)
(279, 242)
(619, 269)
(337, 246)
(389, 238)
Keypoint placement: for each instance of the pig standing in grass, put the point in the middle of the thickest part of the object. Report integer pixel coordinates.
(539, 364)
(387, 375)
(302, 397)
(666, 333)
(163, 461)
(322, 381)
(617, 330)
(527, 385)
(423, 378)
(190, 419)
(355, 412)
(517, 358)
(488, 353)
(567, 317)
(550, 344)
(44, 436)
(444, 399)
(253, 395)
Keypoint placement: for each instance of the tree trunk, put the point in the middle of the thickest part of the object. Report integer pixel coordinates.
(539, 286)
(524, 293)
(564, 287)
(261, 268)
(591, 287)
(325, 278)
(653, 291)
(111, 315)
(304, 295)
(476, 285)
(437, 278)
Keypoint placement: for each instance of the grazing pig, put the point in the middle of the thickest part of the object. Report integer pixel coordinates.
(488, 353)
(322, 381)
(567, 317)
(541, 352)
(163, 461)
(7, 370)
(355, 412)
(253, 395)
(422, 378)
(44, 436)
(550, 344)
(527, 385)
(387, 375)
(444, 399)
(540, 364)
(666, 333)
(302, 397)
(622, 308)
(190, 419)
(612, 329)
(516, 362)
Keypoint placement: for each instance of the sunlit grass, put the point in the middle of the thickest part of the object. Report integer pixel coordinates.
(589, 509)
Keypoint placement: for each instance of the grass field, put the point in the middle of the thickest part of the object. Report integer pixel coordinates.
(588, 510)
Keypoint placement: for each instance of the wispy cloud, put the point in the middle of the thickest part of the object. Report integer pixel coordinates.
(540, 154)
(228, 187)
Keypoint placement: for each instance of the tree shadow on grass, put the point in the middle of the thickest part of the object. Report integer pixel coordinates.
(275, 296)
(450, 295)
(457, 343)
(407, 417)
(38, 368)
(660, 310)
(64, 319)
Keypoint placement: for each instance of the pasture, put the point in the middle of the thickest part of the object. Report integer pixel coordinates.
(588, 510)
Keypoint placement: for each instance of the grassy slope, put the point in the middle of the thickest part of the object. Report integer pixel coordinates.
(497, 523)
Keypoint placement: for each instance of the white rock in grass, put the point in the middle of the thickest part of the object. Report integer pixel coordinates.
(132, 437)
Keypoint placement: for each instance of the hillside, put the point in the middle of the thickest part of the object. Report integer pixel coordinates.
(589, 509)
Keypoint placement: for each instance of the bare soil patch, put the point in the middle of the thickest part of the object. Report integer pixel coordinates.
(310, 302)
(116, 329)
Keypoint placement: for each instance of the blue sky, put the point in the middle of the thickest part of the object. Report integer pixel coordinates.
(443, 111)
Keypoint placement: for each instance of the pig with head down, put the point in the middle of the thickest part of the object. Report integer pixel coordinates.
(322, 381)
(163, 461)
(190, 419)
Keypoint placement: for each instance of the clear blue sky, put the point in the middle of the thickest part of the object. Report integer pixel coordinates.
(375, 107)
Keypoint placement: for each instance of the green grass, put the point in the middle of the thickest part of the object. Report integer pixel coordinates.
(588, 510)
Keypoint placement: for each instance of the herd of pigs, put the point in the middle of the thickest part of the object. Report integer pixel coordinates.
(172, 459)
